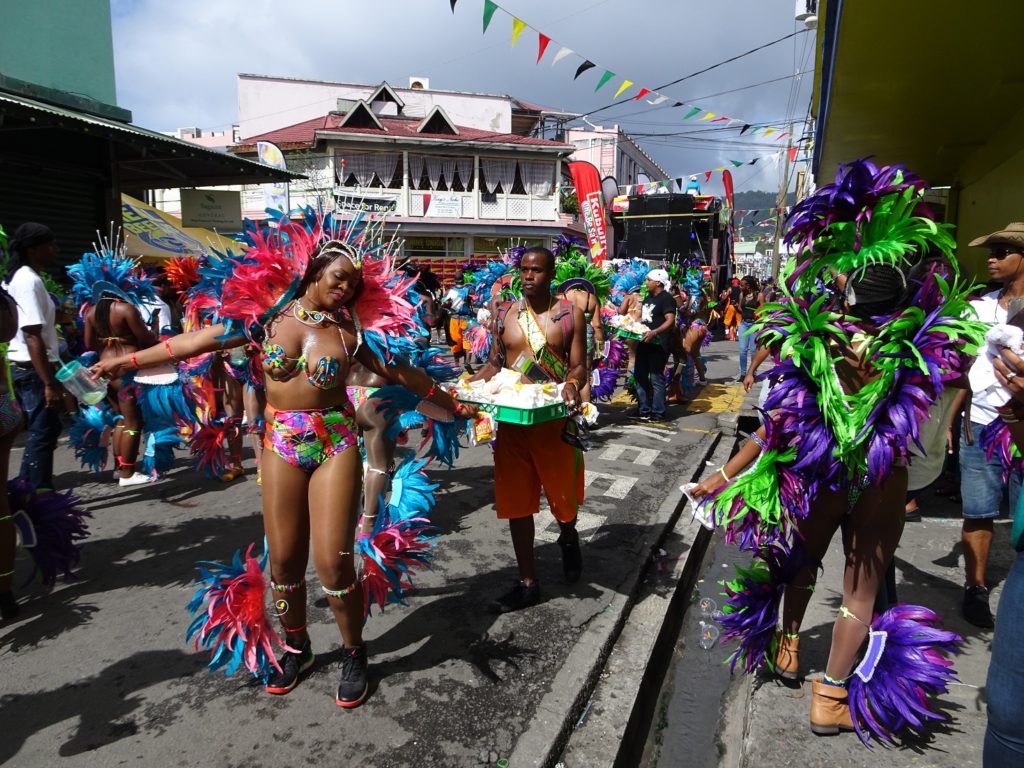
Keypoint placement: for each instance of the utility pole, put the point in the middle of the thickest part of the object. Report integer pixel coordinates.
(780, 203)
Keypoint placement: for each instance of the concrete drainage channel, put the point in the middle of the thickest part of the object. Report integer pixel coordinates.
(614, 727)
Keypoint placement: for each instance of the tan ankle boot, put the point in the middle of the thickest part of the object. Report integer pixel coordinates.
(830, 712)
(787, 659)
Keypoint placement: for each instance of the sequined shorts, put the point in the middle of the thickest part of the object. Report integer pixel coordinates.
(307, 439)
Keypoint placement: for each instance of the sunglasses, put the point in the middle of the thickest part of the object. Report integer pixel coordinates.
(1001, 253)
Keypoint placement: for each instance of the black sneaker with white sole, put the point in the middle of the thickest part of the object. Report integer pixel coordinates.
(292, 666)
(354, 685)
(976, 609)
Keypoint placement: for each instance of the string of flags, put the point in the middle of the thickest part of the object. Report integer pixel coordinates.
(681, 181)
(701, 114)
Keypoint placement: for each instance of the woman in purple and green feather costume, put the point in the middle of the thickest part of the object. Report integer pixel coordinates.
(855, 372)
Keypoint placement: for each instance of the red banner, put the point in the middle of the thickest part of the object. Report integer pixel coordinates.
(727, 184)
(588, 194)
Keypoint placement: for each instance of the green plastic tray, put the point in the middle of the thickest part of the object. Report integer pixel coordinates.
(523, 415)
(628, 334)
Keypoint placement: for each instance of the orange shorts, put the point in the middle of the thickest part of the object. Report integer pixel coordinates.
(457, 330)
(732, 316)
(530, 458)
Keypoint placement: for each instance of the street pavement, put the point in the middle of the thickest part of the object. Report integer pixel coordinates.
(96, 671)
(707, 717)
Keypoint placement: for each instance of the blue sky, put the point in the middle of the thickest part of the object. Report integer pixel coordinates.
(177, 61)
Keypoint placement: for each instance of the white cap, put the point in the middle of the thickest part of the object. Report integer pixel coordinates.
(660, 276)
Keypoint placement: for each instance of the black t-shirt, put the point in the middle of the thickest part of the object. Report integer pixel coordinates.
(653, 311)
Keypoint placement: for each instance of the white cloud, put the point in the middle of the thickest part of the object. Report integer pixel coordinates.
(176, 62)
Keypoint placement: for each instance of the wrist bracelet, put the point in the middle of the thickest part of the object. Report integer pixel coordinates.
(135, 363)
(722, 471)
(431, 391)
(170, 352)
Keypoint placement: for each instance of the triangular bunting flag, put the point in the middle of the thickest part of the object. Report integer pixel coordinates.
(752, 162)
(588, 64)
(643, 92)
(719, 168)
(542, 45)
(693, 111)
(745, 128)
(608, 75)
(625, 85)
(658, 100)
(708, 116)
(792, 154)
(561, 55)
(707, 176)
(453, 2)
(678, 104)
(518, 25)
(755, 129)
(770, 131)
(736, 163)
(784, 133)
(720, 119)
(489, 8)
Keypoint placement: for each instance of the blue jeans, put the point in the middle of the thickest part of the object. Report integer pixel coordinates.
(747, 346)
(649, 373)
(44, 427)
(981, 480)
(1004, 737)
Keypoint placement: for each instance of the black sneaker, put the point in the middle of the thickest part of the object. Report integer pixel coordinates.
(353, 686)
(8, 606)
(520, 596)
(976, 610)
(572, 558)
(292, 666)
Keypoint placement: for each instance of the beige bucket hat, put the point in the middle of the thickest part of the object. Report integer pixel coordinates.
(1013, 234)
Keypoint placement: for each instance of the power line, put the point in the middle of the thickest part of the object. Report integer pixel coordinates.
(701, 71)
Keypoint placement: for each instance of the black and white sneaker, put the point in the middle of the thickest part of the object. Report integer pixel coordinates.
(292, 666)
(354, 685)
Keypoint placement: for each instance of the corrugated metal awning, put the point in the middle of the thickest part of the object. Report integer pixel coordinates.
(145, 159)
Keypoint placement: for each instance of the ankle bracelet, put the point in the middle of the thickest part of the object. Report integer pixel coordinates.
(340, 593)
(833, 682)
(287, 588)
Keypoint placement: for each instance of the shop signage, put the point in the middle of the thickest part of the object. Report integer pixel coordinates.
(443, 205)
(211, 209)
(344, 202)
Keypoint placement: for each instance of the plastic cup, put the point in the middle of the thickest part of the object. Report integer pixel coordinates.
(78, 380)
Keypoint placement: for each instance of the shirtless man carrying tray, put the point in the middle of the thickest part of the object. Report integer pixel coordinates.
(543, 338)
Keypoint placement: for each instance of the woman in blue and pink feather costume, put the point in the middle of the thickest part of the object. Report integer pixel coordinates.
(313, 297)
(853, 377)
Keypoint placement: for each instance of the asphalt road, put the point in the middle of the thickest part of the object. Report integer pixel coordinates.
(96, 672)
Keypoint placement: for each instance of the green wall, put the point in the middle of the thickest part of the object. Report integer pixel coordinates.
(991, 192)
(62, 44)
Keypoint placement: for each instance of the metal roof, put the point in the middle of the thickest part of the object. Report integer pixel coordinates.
(146, 159)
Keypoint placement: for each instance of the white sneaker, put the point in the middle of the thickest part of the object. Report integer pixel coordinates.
(136, 479)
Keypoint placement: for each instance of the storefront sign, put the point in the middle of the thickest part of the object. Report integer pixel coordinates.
(211, 209)
(344, 202)
(443, 205)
